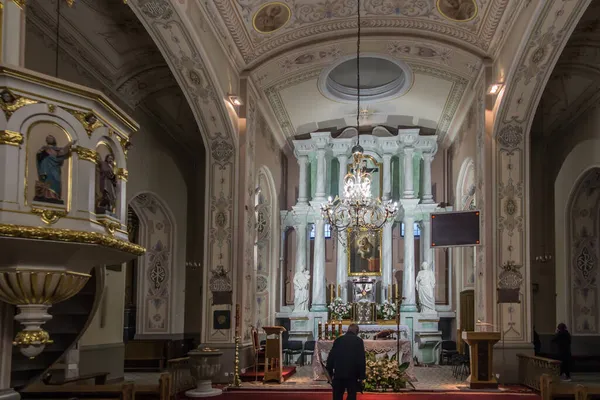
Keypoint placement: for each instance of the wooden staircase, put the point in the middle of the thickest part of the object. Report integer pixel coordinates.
(69, 321)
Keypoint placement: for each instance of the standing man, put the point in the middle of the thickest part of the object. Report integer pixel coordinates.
(346, 364)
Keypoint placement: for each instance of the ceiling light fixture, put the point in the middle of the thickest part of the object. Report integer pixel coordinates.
(235, 100)
(358, 211)
(495, 88)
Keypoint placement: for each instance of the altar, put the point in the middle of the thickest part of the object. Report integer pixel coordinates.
(369, 331)
(381, 348)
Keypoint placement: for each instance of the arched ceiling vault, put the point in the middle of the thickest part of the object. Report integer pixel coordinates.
(285, 45)
(574, 85)
(106, 42)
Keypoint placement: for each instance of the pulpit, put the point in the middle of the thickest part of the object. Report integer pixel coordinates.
(481, 346)
(274, 354)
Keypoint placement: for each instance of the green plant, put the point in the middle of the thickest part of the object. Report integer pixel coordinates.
(386, 374)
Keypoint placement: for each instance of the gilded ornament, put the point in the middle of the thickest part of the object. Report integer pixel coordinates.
(70, 236)
(125, 144)
(32, 338)
(49, 216)
(26, 286)
(20, 3)
(122, 174)
(11, 138)
(87, 154)
(10, 102)
(51, 108)
(70, 2)
(110, 226)
(89, 121)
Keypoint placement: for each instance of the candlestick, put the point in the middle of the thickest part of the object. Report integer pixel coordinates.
(339, 294)
(397, 297)
(320, 330)
(237, 320)
(236, 363)
(389, 294)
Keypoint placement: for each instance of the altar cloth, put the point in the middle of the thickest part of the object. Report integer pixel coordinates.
(373, 329)
(381, 348)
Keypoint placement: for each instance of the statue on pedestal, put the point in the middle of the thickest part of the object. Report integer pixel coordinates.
(301, 282)
(49, 162)
(107, 186)
(425, 288)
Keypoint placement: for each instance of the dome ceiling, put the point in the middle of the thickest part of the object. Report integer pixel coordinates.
(286, 45)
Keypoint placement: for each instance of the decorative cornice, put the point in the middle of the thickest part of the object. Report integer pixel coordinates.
(87, 154)
(89, 121)
(11, 138)
(70, 236)
(125, 144)
(110, 226)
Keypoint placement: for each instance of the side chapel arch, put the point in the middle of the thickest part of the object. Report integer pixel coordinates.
(157, 274)
(189, 64)
(509, 189)
(266, 248)
(583, 217)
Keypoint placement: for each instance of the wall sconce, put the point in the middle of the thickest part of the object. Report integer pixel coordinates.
(235, 100)
(495, 88)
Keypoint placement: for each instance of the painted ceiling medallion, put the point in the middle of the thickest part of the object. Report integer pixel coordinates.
(457, 10)
(271, 17)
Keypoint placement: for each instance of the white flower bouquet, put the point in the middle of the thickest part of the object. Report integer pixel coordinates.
(386, 311)
(386, 375)
(339, 310)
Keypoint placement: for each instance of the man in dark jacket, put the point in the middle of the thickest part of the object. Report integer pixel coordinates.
(562, 341)
(346, 364)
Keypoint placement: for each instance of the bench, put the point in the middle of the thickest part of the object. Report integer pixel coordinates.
(99, 379)
(123, 391)
(553, 388)
(145, 355)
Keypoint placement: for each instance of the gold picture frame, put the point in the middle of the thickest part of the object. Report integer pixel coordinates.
(362, 264)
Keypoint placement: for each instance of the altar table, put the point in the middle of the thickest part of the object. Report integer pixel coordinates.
(381, 348)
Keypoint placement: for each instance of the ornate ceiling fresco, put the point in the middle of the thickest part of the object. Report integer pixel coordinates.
(286, 44)
(574, 86)
(107, 43)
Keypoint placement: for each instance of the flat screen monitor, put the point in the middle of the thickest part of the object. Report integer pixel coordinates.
(454, 229)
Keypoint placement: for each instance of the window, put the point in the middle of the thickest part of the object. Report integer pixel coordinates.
(417, 229)
(327, 231)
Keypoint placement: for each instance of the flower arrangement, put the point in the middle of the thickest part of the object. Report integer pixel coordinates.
(339, 310)
(386, 311)
(386, 375)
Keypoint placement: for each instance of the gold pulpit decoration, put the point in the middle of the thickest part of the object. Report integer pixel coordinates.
(274, 354)
(481, 353)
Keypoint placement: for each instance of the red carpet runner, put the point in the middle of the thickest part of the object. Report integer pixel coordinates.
(458, 395)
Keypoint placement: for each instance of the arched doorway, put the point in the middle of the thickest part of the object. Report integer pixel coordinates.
(583, 218)
(265, 248)
(155, 273)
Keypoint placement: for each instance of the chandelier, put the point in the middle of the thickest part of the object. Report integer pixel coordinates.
(358, 210)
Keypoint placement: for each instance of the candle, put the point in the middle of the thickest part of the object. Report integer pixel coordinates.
(397, 297)
(389, 293)
(339, 294)
(326, 331)
(340, 328)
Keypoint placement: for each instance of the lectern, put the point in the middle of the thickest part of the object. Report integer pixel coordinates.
(481, 346)
(274, 354)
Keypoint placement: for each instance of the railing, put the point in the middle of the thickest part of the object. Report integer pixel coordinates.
(179, 369)
(532, 368)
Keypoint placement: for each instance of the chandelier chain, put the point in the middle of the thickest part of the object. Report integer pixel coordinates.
(358, 73)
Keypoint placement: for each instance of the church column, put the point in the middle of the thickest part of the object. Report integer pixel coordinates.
(318, 277)
(387, 177)
(427, 196)
(301, 237)
(342, 259)
(6, 325)
(13, 33)
(408, 276)
(387, 278)
(321, 175)
(303, 180)
(409, 191)
(426, 240)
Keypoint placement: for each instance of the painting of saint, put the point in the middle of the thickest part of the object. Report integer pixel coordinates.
(271, 17)
(49, 163)
(364, 253)
(457, 10)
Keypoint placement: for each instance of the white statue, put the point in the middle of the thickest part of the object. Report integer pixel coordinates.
(425, 287)
(301, 282)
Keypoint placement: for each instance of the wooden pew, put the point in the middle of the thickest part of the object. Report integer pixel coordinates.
(553, 388)
(123, 391)
(145, 355)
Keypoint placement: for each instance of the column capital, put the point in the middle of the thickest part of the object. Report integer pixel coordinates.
(387, 157)
(302, 158)
(408, 150)
(428, 157)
